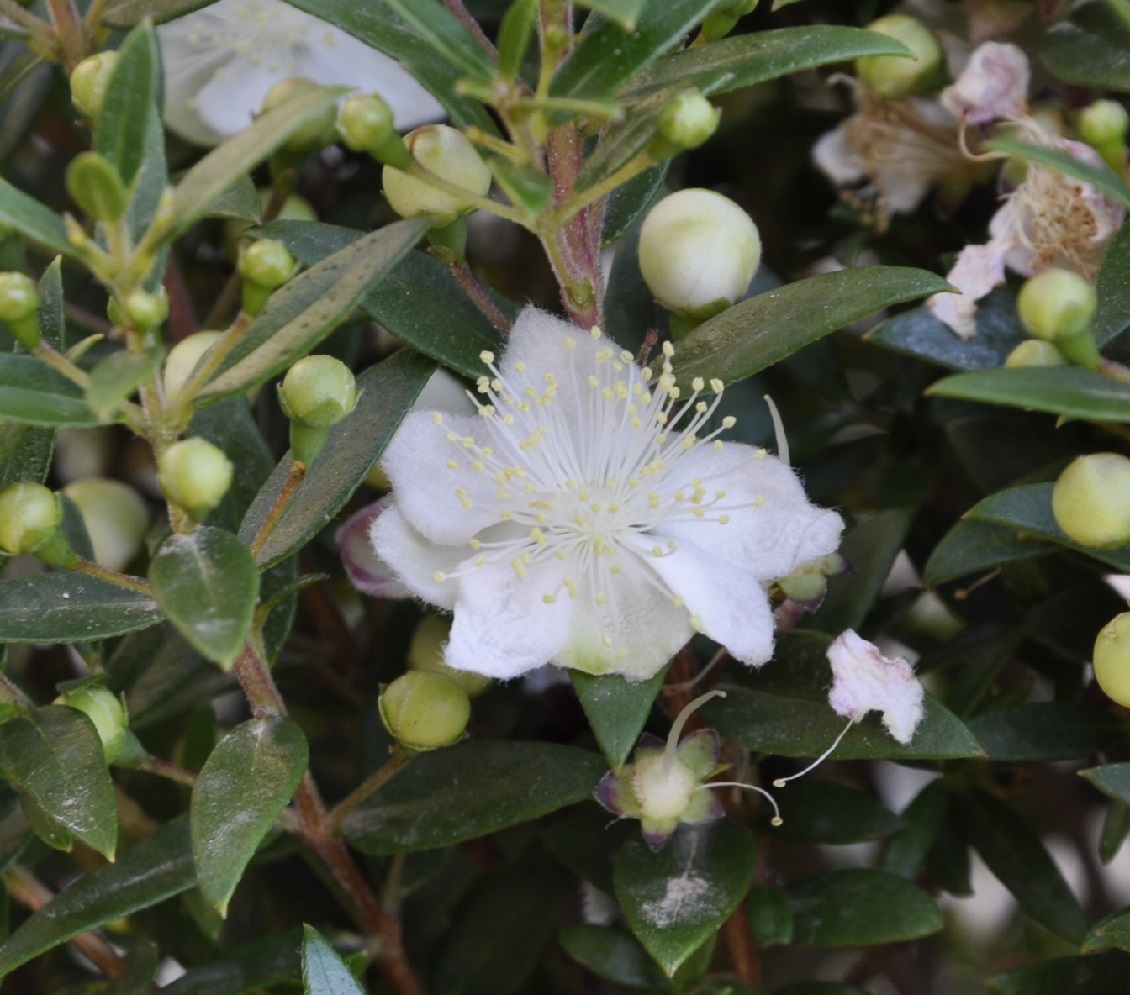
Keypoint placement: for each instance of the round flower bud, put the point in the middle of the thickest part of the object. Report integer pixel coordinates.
(115, 516)
(1056, 304)
(267, 264)
(19, 296)
(425, 653)
(316, 133)
(1035, 352)
(365, 122)
(424, 711)
(1103, 124)
(88, 83)
(106, 711)
(897, 76)
(1112, 659)
(448, 154)
(688, 120)
(30, 516)
(318, 391)
(145, 310)
(195, 475)
(698, 252)
(1091, 499)
(663, 787)
(184, 356)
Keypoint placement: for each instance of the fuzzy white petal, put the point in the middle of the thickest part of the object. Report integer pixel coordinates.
(993, 85)
(976, 271)
(864, 680)
(414, 559)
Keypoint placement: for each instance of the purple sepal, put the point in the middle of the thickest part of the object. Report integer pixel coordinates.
(367, 571)
(608, 794)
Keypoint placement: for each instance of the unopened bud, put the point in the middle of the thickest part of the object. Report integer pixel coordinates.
(1091, 499)
(115, 517)
(688, 120)
(146, 311)
(316, 133)
(19, 307)
(89, 81)
(318, 391)
(184, 356)
(265, 266)
(1035, 352)
(898, 76)
(698, 252)
(95, 185)
(1103, 125)
(107, 713)
(425, 711)
(195, 475)
(448, 154)
(1112, 659)
(425, 653)
(1056, 304)
(30, 516)
(364, 122)
(722, 20)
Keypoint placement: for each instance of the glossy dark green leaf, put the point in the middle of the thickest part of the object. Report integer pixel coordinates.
(69, 607)
(765, 329)
(972, 661)
(677, 898)
(1028, 510)
(616, 709)
(52, 306)
(821, 811)
(242, 970)
(770, 915)
(922, 819)
(32, 393)
(323, 971)
(386, 391)
(971, 547)
(55, 755)
(1111, 779)
(1112, 288)
(1101, 177)
(260, 763)
(585, 841)
(1112, 931)
(126, 116)
(1049, 730)
(33, 220)
(464, 791)
(627, 203)
(114, 379)
(860, 907)
(1068, 391)
(446, 34)
(139, 968)
(302, 313)
(207, 583)
(1018, 859)
(1115, 830)
(1097, 974)
(150, 871)
(1090, 49)
(127, 13)
(611, 955)
(919, 333)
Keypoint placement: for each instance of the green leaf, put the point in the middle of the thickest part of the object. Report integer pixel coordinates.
(52, 308)
(763, 330)
(122, 129)
(971, 547)
(1100, 177)
(922, 820)
(676, 899)
(1090, 49)
(32, 219)
(623, 12)
(69, 607)
(260, 763)
(418, 300)
(1028, 510)
(616, 709)
(127, 13)
(150, 871)
(386, 391)
(611, 955)
(55, 755)
(1112, 289)
(207, 582)
(860, 907)
(919, 333)
(1048, 730)
(32, 393)
(1067, 391)
(119, 375)
(469, 790)
(822, 811)
(251, 967)
(139, 969)
(446, 34)
(323, 971)
(1111, 779)
(214, 174)
(302, 313)
(585, 841)
(605, 56)
(1017, 858)
(770, 915)
(1097, 974)
(1113, 931)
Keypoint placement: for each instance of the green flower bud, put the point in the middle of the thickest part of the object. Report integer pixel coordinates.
(89, 81)
(267, 263)
(1112, 659)
(1103, 125)
(1056, 304)
(115, 516)
(318, 391)
(184, 356)
(316, 133)
(146, 311)
(96, 186)
(698, 252)
(1091, 499)
(425, 654)
(365, 122)
(449, 155)
(195, 475)
(424, 711)
(19, 307)
(30, 516)
(1035, 352)
(106, 711)
(897, 76)
(688, 120)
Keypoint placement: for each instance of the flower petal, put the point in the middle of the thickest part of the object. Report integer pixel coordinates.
(993, 85)
(977, 270)
(367, 571)
(864, 680)
(414, 559)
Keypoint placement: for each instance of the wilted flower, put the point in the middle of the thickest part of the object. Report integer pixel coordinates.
(993, 85)
(589, 517)
(863, 680)
(221, 61)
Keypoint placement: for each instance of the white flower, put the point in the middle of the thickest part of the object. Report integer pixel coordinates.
(864, 680)
(581, 518)
(221, 61)
(993, 85)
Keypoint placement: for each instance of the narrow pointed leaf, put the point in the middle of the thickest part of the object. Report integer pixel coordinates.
(207, 583)
(1090, 48)
(258, 763)
(1068, 391)
(323, 971)
(1100, 177)
(32, 219)
(616, 709)
(121, 130)
(31, 393)
(68, 607)
(1095, 974)
(623, 12)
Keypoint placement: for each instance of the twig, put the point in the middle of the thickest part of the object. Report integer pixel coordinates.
(479, 297)
(337, 816)
(282, 501)
(456, 7)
